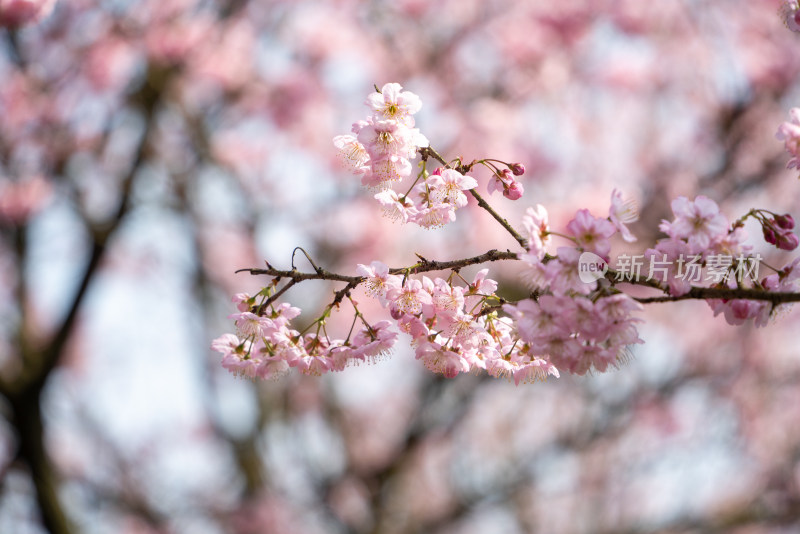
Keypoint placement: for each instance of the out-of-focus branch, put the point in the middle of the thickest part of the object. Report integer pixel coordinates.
(23, 391)
(27, 420)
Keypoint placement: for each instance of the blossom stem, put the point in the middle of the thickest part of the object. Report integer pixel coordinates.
(427, 152)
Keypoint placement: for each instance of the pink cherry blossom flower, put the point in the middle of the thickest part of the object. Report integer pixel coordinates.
(449, 186)
(788, 279)
(732, 244)
(535, 221)
(441, 360)
(244, 302)
(535, 370)
(410, 297)
(496, 183)
(478, 289)
(396, 207)
(506, 182)
(316, 365)
(21, 200)
(434, 216)
(387, 169)
(317, 359)
(545, 317)
(446, 298)
(387, 138)
(789, 133)
(666, 260)
(699, 222)
(738, 311)
(790, 14)
(618, 307)
(499, 367)
(228, 343)
(394, 103)
(586, 321)
(623, 212)
(563, 273)
(460, 327)
(285, 312)
(379, 281)
(249, 324)
(374, 342)
(591, 233)
(236, 356)
(565, 352)
(414, 327)
(341, 355)
(351, 151)
(534, 273)
(271, 365)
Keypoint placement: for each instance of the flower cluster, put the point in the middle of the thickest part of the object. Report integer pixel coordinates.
(578, 333)
(738, 311)
(380, 150)
(505, 180)
(266, 346)
(576, 319)
(580, 324)
(456, 329)
(777, 229)
(699, 229)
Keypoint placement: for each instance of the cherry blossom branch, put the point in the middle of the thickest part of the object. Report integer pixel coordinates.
(576, 320)
(422, 266)
(426, 152)
(425, 265)
(705, 293)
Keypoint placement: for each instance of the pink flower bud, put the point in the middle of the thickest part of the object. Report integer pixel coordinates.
(505, 176)
(15, 13)
(787, 241)
(785, 222)
(769, 235)
(513, 191)
(517, 168)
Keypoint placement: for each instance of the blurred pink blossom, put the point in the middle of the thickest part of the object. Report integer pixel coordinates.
(20, 200)
(20, 12)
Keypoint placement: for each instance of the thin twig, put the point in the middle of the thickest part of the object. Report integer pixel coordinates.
(427, 152)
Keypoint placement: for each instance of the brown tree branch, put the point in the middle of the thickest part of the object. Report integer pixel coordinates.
(425, 265)
(705, 293)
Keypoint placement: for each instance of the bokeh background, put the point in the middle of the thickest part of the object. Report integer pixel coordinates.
(148, 149)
